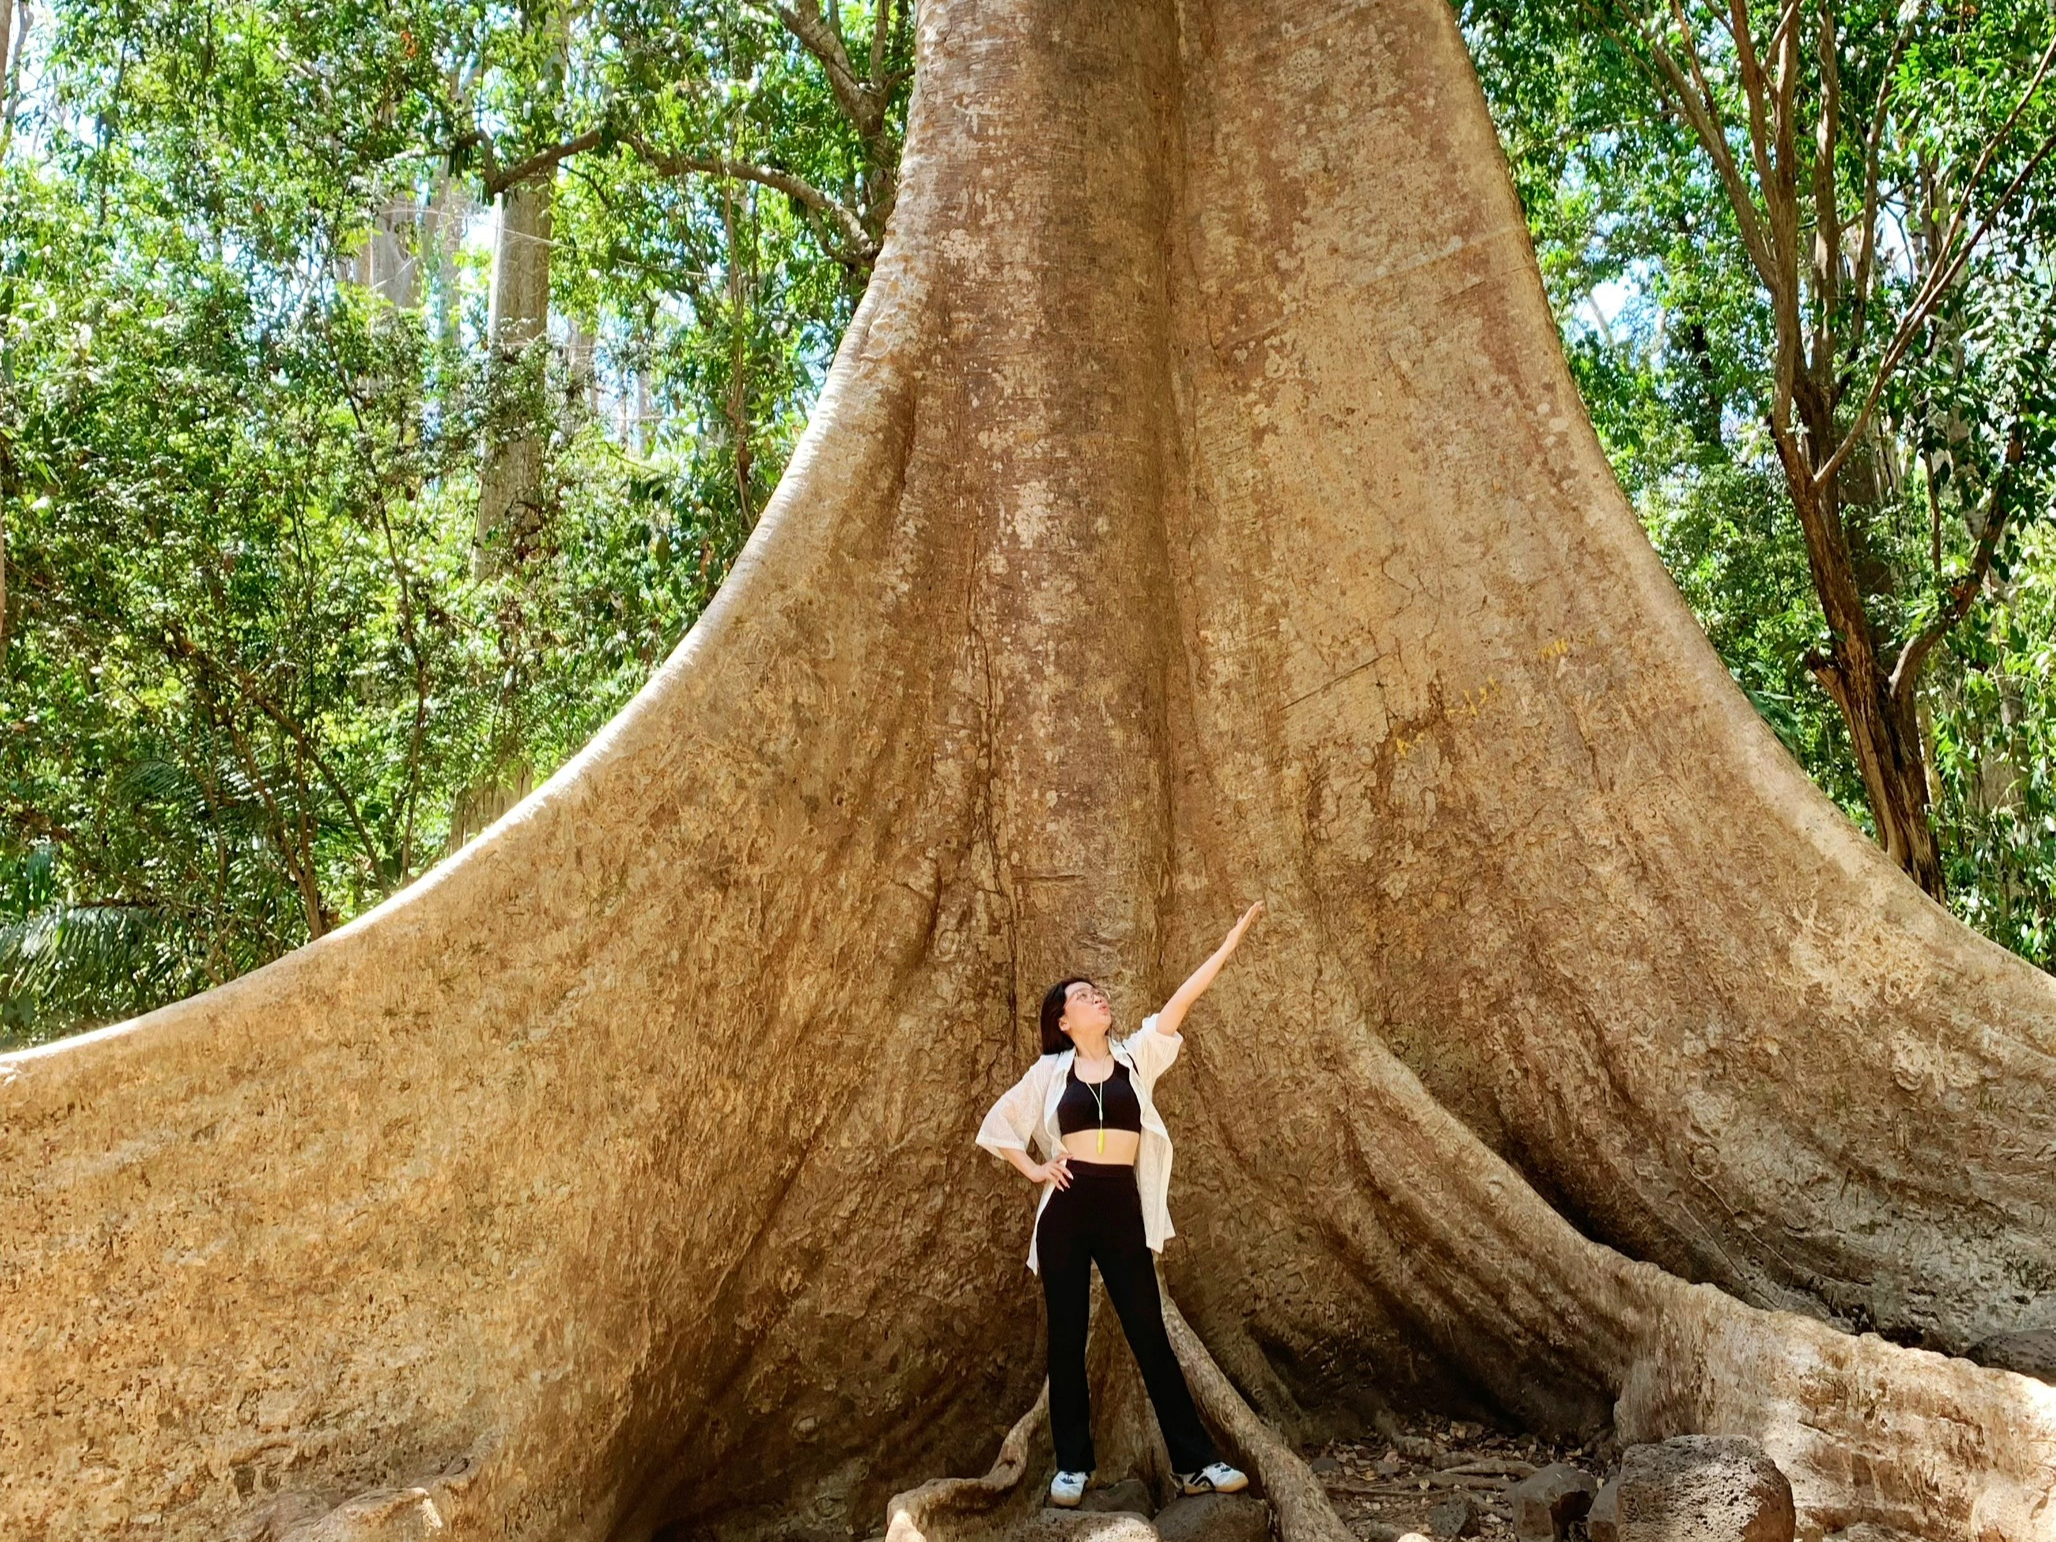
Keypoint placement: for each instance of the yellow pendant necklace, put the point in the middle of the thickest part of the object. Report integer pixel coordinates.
(1099, 1102)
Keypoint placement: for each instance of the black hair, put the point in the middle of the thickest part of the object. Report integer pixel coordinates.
(1054, 1040)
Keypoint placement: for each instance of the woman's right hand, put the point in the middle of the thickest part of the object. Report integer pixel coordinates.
(1057, 1167)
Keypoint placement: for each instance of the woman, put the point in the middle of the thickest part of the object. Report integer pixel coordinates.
(1104, 1197)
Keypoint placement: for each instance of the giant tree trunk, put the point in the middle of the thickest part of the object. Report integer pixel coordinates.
(1199, 508)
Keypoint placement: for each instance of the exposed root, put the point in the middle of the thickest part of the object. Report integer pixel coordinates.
(1006, 1501)
(1297, 1499)
(409, 1512)
(973, 1509)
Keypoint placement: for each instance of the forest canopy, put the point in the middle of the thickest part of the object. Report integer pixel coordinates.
(384, 389)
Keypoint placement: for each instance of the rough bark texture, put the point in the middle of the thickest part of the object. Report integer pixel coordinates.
(1199, 508)
(510, 477)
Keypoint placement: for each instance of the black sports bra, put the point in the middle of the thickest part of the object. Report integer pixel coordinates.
(1079, 1108)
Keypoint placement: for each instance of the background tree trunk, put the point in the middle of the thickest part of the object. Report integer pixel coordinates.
(14, 42)
(582, 365)
(1198, 508)
(449, 207)
(510, 480)
(392, 263)
(7, 73)
(740, 262)
(1883, 727)
(1892, 756)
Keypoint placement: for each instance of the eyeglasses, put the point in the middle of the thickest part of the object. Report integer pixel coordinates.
(1081, 991)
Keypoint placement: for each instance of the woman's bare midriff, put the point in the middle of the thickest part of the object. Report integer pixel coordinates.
(1122, 1146)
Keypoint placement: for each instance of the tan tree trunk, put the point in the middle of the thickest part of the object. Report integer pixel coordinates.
(1199, 508)
(740, 264)
(1880, 715)
(582, 363)
(14, 42)
(392, 266)
(7, 71)
(510, 478)
(449, 207)
(1884, 726)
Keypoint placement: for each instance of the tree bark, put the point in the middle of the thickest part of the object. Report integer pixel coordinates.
(510, 480)
(1884, 727)
(740, 264)
(449, 207)
(1877, 708)
(392, 267)
(14, 42)
(7, 72)
(1199, 507)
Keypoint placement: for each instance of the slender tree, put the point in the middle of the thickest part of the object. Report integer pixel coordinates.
(1860, 205)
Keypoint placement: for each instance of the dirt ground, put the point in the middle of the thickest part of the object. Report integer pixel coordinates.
(1440, 1477)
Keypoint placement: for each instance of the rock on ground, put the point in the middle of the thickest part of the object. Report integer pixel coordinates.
(1215, 1518)
(1050, 1524)
(1453, 1517)
(1602, 1521)
(1130, 1494)
(1702, 1488)
(1547, 1503)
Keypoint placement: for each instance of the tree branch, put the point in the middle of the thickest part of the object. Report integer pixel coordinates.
(1827, 554)
(2005, 129)
(303, 878)
(1827, 204)
(862, 247)
(1964, 591)
(548, 160)
(1940, 281)
(1701, 110)
(1873, 154)
(404, 587)
(246, 687)
(1750, 68)
(498, 178)
(1781, 198)
(881, 37)
(864, 109)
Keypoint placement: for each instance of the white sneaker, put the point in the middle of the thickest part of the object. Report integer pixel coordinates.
(1067, 1488)
(1214, 1478)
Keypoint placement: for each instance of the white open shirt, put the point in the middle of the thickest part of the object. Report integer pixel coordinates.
(1028, 1111)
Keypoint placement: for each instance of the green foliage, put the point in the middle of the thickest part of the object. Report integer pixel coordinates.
(254, 679)
(1993, 731)
(1669, 329)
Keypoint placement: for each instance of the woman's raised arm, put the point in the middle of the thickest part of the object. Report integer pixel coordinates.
(1172, 1018)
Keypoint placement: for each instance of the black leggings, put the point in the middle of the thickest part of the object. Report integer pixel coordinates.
(1099, 1219)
